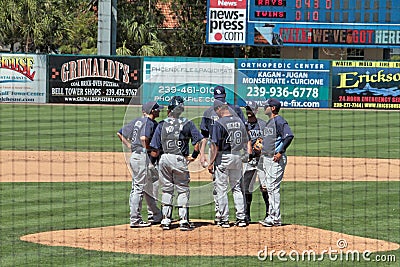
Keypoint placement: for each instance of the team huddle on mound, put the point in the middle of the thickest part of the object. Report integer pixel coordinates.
(239, 150)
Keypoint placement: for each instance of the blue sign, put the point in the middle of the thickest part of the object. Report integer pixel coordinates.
(296, 83)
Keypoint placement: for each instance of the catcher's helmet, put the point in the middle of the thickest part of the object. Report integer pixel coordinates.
(176, 103)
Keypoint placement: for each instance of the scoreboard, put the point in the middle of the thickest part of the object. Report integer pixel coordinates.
(316, 23)
(326, 11)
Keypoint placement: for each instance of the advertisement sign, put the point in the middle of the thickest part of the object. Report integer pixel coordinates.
(311, 23)
(226, 21)
(296, 83)
(22, 78)
(366, 84)
(94, 79)
(192, 78)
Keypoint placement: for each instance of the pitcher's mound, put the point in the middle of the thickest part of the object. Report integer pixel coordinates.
(210, 240)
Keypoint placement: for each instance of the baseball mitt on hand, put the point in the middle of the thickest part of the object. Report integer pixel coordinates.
(190, 159)
(257, 147)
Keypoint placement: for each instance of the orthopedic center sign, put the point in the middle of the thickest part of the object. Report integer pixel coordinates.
(226, 21)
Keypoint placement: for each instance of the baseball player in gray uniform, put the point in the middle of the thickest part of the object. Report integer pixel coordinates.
(277, 136)
(171, 139)
(137, 135)
(206, 126)
(254, 127)
(229, 143)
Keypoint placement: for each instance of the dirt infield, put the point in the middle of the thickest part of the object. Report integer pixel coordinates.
(206, 239)
(60, 166)
(209, 240)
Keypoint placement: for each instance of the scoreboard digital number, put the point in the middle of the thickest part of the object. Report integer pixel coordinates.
(325, 11)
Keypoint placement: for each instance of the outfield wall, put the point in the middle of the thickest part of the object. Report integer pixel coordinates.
(76, 79)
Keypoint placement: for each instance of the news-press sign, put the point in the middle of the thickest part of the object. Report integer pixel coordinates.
(296, 83)
(94, 80)
(22, 78)
(366, 84)
(226, 21)
(192, 78)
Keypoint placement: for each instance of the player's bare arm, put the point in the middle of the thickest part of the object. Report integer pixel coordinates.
(124, 140)
(249, 147)
(213, 155)
(203, 158)
(145, 142)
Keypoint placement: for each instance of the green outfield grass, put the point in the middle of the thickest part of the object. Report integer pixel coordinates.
(365, 209)
(335, 133)
(368, 209)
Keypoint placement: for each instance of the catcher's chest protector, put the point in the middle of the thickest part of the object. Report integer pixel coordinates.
(170, 135)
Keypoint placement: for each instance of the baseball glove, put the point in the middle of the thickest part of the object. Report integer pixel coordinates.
(257, 147)
(189, 159)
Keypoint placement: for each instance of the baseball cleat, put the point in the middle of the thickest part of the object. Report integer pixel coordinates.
(166, 226)
(186, 226)
(269, 223)
(241, 223)
(140, 224)
(154, 221)
(224, 224)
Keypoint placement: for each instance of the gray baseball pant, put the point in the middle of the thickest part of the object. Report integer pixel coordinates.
(229, 173)
(174, 173)
(153, 191)
(141, 184)
(270, 175)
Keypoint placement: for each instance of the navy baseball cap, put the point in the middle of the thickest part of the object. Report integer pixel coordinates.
(273, 102)
(219, 92)
(149, 106)
(252, 105)
(176, 101)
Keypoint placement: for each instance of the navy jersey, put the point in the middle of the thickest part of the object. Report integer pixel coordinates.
(230, 134)
(255, 129)
(210, 117)
(173, 135)
(137, 128)
(277, 136)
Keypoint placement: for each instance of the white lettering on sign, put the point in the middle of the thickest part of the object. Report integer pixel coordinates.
(387, 37)
(227, 3)
(227, 22)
